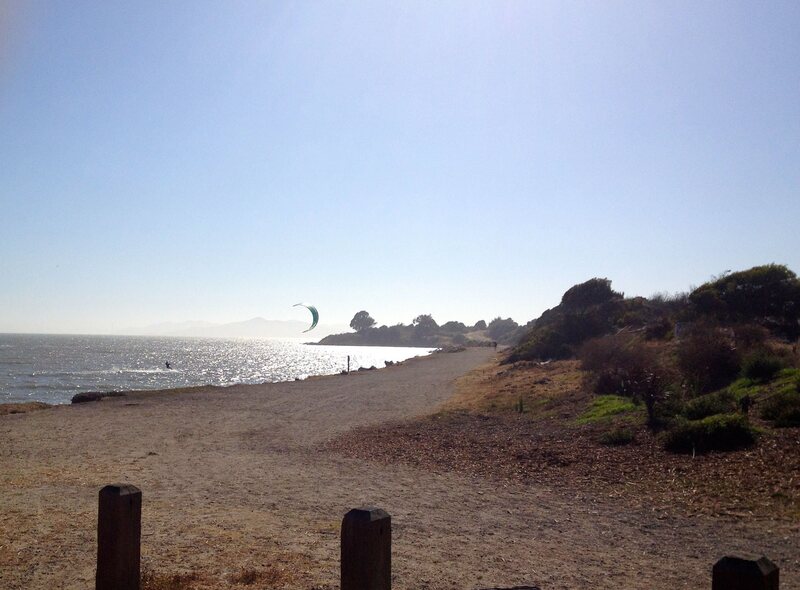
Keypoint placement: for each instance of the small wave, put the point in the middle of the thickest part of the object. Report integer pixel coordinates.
(150, 371)
(28, 385)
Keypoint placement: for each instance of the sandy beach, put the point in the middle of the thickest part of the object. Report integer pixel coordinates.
(239, 480)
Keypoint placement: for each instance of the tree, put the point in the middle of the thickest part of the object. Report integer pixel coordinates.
(454, 327)
(425, 322)
(362, 321)
(499, 327)
(425, 328)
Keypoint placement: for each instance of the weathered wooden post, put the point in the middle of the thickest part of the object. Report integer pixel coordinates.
(735, 573)
(348, 364)
(366, 550)
(119, 531)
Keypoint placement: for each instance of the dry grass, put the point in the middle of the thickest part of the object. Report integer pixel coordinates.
(269, 578)
(157, 581)
(480, 431)
(251, 578)
(492, 388)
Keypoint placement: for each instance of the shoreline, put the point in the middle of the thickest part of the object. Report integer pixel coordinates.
(24, 405)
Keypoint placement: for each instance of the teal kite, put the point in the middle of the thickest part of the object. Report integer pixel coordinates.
(314, 315)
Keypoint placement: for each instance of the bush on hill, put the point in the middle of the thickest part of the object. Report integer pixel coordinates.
(783, 406)
(768, 295)
(587, 310)
(762, 366)
(763, 296)
(585, 295)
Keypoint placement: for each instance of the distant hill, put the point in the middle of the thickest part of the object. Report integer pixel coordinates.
(252, 328)
(426, 332)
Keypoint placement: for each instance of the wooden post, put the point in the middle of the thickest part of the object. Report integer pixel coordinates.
(366, 550)
(119, 531)
(734, 573)
(348, 364)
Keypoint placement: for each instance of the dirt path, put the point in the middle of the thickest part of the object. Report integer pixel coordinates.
(235, 480)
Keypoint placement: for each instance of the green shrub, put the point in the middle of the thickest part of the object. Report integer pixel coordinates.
(670, 408)
(606, 406)
(617, 437)
(762, 366)
(722, 432)
(789, 373)
(783, 407)
(722, 402)
(743, 387)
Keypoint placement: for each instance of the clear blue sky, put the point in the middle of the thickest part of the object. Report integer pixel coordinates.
(166, 161)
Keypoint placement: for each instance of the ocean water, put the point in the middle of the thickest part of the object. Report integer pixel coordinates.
(53, 368)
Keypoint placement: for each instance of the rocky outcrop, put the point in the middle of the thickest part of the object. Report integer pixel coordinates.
(94, 396)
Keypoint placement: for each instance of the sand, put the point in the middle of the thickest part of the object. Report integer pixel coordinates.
(238, 480)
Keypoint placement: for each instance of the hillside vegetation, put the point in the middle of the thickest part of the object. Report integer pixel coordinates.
(690, 402)
(764, 296)
(696, 363)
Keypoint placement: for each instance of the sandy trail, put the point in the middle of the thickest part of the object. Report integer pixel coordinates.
(236, 479)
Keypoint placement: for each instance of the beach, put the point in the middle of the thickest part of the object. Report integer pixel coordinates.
(239, 484)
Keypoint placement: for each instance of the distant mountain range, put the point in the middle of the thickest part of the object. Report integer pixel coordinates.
(253, 328)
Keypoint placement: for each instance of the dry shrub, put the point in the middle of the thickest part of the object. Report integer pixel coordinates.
(623, 364)
(708, 359)
(750, 337)
(658, 329)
